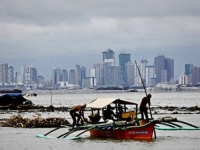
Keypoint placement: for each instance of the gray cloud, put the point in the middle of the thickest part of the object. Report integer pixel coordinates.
(64, 33)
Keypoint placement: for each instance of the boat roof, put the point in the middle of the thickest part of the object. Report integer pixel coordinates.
(100, 103)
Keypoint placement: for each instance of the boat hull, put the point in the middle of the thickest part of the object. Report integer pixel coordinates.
(132, 132)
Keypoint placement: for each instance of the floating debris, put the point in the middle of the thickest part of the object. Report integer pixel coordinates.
(18, 121)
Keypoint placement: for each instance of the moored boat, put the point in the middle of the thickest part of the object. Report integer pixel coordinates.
(10, 91)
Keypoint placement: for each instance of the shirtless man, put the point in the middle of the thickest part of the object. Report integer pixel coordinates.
(143, 107)
(79, 115)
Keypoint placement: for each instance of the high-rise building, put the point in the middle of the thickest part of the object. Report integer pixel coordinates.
(114, 76)
(83, 73)
(150, 76)
(72, 79)
(109, 54)
(29, 76)
(143, 70)
(98, 73)
(188, 69)
(11, 78)
(159, 64)
(129, 67)
(123, 59)
(169, 66)
(195, 75)
(64, 76)
(164, 68)
(3, 73)
(56, 75)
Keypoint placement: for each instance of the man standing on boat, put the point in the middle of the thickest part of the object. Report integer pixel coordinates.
(79, 115)
(144, 107)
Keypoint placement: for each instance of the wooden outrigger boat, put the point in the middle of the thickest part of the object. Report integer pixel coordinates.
(126, 126)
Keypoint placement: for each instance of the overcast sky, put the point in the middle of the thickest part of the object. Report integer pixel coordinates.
(63, 33)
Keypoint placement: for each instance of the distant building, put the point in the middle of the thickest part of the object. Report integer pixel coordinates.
(188, 69)
(195, 75)
(129, 69)
(56, 75)
(143, 70)
(72, 79)
(98, 73)
(169, 66)
(11, 78)
(159, 63)
(29, 76)
(150, 76)
(64, 75)
(164, 68)
(3, 73)
(123, 59)
(109, 54)
(185, 79)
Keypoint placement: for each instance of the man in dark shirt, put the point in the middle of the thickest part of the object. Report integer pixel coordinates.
(144, 107)
(108, 113)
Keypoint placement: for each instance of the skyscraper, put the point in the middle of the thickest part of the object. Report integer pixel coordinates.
(169, 66)
(3, 73)
(109, 54)
(72, 79)
(11, 75)
(129, 67)
(143, 70)
(159, 64)
(195, 75)
(55, 75)
(150, 76)
(123, 59)
(188, 69)
(64, 75)
(164, 68)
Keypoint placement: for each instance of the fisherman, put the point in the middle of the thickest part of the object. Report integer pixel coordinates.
(79, 115)
(108, 113)
(144, 107)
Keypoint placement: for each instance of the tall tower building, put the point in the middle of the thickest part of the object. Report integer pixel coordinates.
(150, 76)
(64, 75)
(129, 67)
(83, 73)
(195, 75)
(159, 64)
(56, 75)
(3, 73)
(72, 79)
(98, 73)
(11, 78)
(188, 69)
(109, 54)
(143, 69)
(169, 66)
(123, 59)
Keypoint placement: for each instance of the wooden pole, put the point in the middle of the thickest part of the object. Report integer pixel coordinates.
(51, 98)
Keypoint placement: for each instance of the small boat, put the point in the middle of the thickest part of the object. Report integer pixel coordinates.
(11, 91)
(126, 126)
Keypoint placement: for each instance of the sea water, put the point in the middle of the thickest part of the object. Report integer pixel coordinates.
(20, 138)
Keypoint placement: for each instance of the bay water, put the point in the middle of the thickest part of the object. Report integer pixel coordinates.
(21, 138)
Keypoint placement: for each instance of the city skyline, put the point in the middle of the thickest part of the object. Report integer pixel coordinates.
(48, 73)
(65, 33)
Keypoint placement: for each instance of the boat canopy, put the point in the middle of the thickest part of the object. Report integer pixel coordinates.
(100, 103)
